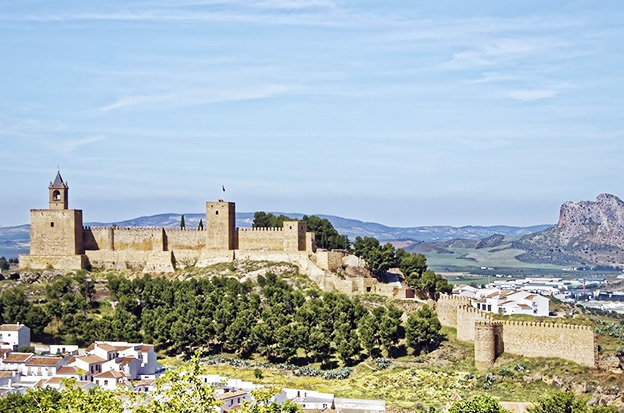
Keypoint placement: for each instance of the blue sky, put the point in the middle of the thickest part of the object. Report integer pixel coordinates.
(401, 112)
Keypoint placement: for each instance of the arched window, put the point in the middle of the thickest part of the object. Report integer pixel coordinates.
(56, 195)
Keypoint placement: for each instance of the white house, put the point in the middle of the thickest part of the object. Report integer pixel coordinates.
(509, 302)
(91, 364)
(310, 399)
(232, 399)
(109, 380)
(15, 361)
(14, 336)
(148, 367)
(40, 367)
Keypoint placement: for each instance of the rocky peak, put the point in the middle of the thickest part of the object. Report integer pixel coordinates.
(591, 231)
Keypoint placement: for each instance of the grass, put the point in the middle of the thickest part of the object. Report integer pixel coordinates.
(467, 256)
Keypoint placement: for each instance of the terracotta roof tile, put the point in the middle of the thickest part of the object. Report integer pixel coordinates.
(91, 359)
(231, 394)
(111, 374)
(11, 327)
(17, 357)
(43, 361)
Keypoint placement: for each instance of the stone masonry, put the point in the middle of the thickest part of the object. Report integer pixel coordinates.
(531, 339)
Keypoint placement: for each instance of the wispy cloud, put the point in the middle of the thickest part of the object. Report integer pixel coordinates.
(68, 147)
(164, 101)
(531, 95)
(500, 51)
(491, 77)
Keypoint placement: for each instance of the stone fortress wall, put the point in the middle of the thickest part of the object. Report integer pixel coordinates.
(59, 240)
(530, 339)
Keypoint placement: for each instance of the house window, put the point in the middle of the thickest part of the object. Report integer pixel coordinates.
(51, 224)
(489, 307)
(106, 382)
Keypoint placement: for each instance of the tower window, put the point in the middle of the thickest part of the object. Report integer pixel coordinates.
(51, 224)
(216, 212)
(56, 195)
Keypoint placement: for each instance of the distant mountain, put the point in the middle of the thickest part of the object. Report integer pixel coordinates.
(588, 233)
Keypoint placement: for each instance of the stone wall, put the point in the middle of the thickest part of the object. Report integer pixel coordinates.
(446, 308)
(187, 239)
(566, 341)
(41, 262)
(138, 239)
(55, 232)
(529, 339)
(261, 239)
(467, 316)
(98, 238)
(148, 261)
(329, 260)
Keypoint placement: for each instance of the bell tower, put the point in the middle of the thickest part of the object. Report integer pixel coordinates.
(58, 193)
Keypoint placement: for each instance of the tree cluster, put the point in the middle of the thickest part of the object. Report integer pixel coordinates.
(16, 308)
(380, 258)
(270, 318)
(325, 235)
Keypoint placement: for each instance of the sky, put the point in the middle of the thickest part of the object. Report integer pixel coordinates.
(405, 113)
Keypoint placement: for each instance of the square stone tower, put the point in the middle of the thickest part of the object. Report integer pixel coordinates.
(220, 225)
(56, 233)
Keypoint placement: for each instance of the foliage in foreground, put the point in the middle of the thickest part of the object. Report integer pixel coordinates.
(478, 404)
(566, 402)
(178, 391)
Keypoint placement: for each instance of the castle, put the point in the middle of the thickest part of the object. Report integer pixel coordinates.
(59, 240)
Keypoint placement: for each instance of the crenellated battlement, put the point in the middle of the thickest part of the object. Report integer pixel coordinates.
(453, 298)
(262, 229)
(488, 323)
(537, 324)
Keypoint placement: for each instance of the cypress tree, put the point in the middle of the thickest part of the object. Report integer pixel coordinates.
(182, 224)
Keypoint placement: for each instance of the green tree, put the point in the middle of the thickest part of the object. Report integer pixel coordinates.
(477, 404)
(412, 266)
(422, 329)
(182, 223)
(200, 226)
(264, 220)
(559, 402)
(76, 400)
(431, 285)
(37, 399)
(4, 264)
(180, 391)
(378, 258)
(325, 235)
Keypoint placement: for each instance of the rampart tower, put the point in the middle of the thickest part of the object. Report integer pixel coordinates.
(220, 225)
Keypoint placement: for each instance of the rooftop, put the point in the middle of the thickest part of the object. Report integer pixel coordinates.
(43, 361)
(17, 357)
(12, 327)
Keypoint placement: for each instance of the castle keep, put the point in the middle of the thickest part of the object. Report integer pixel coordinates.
(58, 239)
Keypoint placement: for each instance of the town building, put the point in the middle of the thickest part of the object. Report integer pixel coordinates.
(14, 336)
